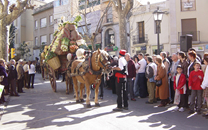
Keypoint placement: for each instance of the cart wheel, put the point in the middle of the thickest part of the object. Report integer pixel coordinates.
(52, 78)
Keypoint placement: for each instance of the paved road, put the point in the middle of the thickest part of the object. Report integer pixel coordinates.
(40, 108)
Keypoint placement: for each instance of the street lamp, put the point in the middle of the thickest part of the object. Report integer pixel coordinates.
(158, 15)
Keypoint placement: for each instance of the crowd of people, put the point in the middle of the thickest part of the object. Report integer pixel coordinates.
(180, 79)
(16, 76)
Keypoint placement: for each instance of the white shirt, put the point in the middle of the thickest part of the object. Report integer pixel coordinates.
(205, 81)
(142, 65)
(121, 63)
(32, 69)
(26, 67)
(154, 67)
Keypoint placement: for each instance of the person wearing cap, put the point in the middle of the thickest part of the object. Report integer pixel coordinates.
(180, 89)
(20, 76)
(120, 74)
(204, 85)
(195, 81)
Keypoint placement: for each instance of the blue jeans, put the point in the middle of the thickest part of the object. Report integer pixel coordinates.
(136, 86)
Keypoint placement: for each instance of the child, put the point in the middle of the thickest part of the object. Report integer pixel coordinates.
(195, 81)
(180, 84)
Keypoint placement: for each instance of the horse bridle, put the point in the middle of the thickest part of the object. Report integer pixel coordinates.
(101, 59)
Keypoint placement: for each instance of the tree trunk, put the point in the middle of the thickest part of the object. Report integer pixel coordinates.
(122, 31)
(3, 40)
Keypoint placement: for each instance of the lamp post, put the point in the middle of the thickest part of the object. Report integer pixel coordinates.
(158, 14)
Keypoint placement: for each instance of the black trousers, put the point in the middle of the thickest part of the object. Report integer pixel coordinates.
(20, 85)
(102, 86)
(172, 91)
(31, 79)
(183, 101)
(121, 93)
(142, 83)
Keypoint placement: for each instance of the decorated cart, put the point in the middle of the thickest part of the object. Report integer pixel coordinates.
(62, 49)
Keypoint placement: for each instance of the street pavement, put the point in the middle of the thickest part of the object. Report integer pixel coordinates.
(42, 109)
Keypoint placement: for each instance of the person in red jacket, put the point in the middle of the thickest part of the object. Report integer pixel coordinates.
(180, 85)
(195, 81)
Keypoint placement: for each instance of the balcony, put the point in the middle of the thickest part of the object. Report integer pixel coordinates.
(195, 35)
(139, 40)
(105, 1)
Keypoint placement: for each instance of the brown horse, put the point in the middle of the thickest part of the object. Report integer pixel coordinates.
(98, 63)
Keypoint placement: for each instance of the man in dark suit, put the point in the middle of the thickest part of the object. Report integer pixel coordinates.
(12, 76)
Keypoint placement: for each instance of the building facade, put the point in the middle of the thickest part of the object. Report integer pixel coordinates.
(142, 29)
(43, 27)
(191, 20)
(24, 28)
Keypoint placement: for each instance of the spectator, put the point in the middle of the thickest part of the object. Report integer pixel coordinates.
(197, 57)
(136, 89)
(193, 60)
(20, 76)
(180, 85)
(166, 62)
(142, 82)
(184, 65)
(130, 77)
(145, 56)
(31, 74)
(172, 74)
(183, 62)
(162, 91)
(12, 76)
(151, 72)
(169, 57)
(4, 78)
(26, 75)
(205, 82)
(195, 81)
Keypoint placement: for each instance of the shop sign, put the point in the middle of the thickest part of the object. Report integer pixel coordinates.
(137, 48)
(111, 48)
(143, 48)
(201, 48)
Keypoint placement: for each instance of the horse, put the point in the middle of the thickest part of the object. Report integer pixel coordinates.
(98, 64)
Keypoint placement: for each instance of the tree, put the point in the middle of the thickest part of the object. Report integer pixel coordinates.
(11, 37)
(24, 50)
(7, 15)
(86, 9)
(122, 16)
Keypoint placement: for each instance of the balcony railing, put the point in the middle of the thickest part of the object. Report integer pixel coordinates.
(138, 40)
(195, 35)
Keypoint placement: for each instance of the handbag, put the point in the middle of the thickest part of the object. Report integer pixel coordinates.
(158, 83)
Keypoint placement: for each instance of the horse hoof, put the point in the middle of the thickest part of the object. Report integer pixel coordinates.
(82, 100)
(97, 105)
(88, 106)
(77, 101)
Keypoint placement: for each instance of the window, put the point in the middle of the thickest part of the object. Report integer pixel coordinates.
(141, 32)
(188, 5)
(51, 38)
(36, 41)
(189, 26)
(51, 19)
(109, 38)
(60, 2)
(36, 24)
(43, 22)
(43, 39)
(109, 15)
